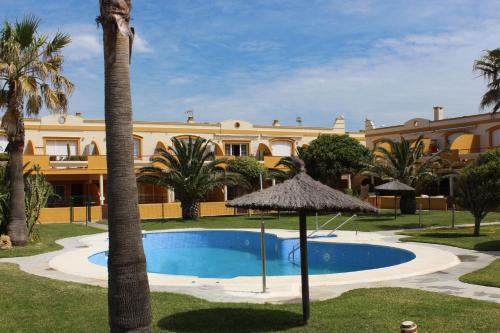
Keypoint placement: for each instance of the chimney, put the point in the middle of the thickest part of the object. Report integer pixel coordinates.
(438, 113)
(276, 122)
(369, 124)
(339, 124)
(78, 114)
(190, 114)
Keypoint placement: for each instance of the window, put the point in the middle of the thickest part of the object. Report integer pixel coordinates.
(3, 143)
(495, 138)
(62, 148)
(281, 148)
(236, 149)
(137, 147)
(59, 190)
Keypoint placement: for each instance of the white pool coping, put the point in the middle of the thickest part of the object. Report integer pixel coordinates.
(428, 260)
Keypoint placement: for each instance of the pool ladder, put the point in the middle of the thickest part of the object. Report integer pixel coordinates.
(297, 246)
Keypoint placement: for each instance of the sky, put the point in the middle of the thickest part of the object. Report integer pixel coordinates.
(261, 60)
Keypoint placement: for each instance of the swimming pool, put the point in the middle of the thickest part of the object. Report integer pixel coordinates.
(229, 254)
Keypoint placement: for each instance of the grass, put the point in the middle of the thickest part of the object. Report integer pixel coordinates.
(383, 221)
(49, 233)
(488, 276)
(489, 240)
(28, 305)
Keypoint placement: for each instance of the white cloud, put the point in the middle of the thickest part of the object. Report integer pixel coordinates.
(83, 46)
(141, 45)
(401, 79)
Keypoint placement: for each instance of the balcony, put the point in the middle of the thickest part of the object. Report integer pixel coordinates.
(64, 165)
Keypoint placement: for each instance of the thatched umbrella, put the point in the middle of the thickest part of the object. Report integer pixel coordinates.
(302, 194)
(394, 187)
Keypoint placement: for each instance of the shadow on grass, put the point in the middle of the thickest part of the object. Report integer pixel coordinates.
(231, 320)
(493, 245)
(398, 226)
(445, 235)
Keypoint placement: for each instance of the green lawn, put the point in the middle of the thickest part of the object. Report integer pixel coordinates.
(49, 233)
(489, 240)
(28, 305)
(383, 221)
(488, 276)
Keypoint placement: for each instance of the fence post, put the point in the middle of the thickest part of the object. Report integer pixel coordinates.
(420, 215)
(453, 216)
(86, 210)
(162, 206)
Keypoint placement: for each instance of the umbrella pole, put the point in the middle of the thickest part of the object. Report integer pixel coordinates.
(395, 206)
(263, 251)
(304, 266)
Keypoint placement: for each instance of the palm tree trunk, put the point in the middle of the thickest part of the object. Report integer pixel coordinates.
(477, 225)
(16, 228)
(128, 294)
(190, 209)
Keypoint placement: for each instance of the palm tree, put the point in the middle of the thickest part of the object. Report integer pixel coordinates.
(191, 170)
(288, 166)
(488, 67)
(30, 78)
(404, 161)
(128, 288)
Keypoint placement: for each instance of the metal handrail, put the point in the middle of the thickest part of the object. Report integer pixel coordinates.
(353, 216)
(297, 246)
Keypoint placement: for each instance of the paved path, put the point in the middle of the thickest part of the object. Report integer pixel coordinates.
(443, 281)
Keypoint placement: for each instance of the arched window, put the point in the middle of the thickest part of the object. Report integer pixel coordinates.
(451, 137)
(495, 137)
(92, 149)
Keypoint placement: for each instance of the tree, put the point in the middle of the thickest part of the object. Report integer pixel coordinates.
(128, 288)
(191, 170)
(250, 169)
(478, 187)
(30, 78)
(38, 192)
(404, 161)
(330, 156)
(488, 66)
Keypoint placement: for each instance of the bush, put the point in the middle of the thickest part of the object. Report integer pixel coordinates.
(38, 192)
(330, 156)
(250, 169)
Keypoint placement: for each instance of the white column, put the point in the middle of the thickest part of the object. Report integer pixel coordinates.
(451, 186)
(171, 195)
(349, 181)
(225, 192)
(101, 189)
(274, 182)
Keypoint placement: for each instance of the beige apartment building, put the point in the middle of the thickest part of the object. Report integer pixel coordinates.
(71, 150)
(465, 136)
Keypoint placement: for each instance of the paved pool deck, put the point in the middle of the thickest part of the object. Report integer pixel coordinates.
(448, 264)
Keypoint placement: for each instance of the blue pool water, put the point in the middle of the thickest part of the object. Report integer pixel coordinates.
(227, 254)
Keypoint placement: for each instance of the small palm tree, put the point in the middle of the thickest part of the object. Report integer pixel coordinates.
(288, 166)
(30, 78)
(405, 162)
(191, 170)
(488, 66)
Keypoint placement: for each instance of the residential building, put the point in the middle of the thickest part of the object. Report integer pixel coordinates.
(465, 137)
(71, 150)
